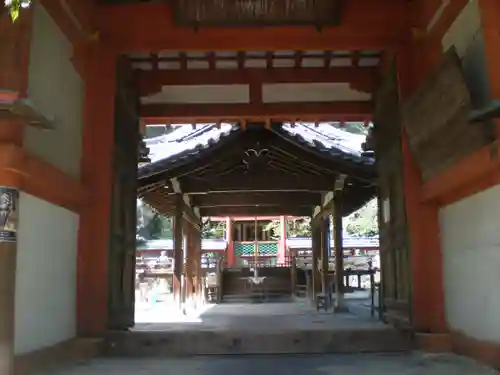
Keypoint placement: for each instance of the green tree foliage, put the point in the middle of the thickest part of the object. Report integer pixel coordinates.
(355, 128)
(364, 222)
(151, 225)
(300, 227)
(160, 227)
(212, 229)
(15, 7)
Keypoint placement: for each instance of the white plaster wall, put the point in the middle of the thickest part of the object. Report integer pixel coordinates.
(56, 90)
(470, 238)
(45, 309)
(47, 236)
(271, 93)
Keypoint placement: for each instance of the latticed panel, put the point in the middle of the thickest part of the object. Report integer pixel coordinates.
(268, 249)
(244, 249)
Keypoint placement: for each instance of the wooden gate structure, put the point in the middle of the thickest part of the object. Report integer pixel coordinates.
(292, 62)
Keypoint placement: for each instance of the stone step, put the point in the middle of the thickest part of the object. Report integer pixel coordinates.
(225, 342)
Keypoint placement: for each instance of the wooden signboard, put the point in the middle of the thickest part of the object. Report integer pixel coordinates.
(436, 119)
(203, 13)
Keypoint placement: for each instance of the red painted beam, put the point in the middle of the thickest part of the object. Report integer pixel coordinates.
(361, 79)
(149, 27)
(187, 113)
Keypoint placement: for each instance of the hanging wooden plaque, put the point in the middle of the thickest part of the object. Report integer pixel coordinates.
(219, 13)
(436, 119)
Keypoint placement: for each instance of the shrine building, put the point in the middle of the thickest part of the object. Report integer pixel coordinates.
(265, 89)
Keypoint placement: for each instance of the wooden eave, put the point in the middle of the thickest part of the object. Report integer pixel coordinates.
(253, 168)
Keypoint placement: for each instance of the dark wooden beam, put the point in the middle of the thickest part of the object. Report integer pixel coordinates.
(258, 182)
(362, 79)
(253, 199)
(313, 111)
(256, 211)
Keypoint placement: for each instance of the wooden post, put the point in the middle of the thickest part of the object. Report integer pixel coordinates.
(189, 264)
(340, 305)
(325, 232)
(178, 255)
(282, 249)
(316, 246)
(199, 271)
(184, 265)
(229, 241)
(293, 272)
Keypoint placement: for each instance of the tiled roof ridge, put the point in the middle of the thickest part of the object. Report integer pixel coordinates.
(191, 143)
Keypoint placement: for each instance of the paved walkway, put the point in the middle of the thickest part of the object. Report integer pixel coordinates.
(291, 316)
(361, 364)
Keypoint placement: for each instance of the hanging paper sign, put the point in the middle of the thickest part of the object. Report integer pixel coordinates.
(9, 205)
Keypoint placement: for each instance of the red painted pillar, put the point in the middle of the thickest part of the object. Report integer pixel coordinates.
(99, 71)
(423, 223)
(282, 248)
(229, 240)
(490, 17)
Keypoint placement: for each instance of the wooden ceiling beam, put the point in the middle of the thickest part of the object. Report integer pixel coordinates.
(258, 182)
(147, 27)
(361, 79)
(253, 199)
(322, 111)
(257, 211)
